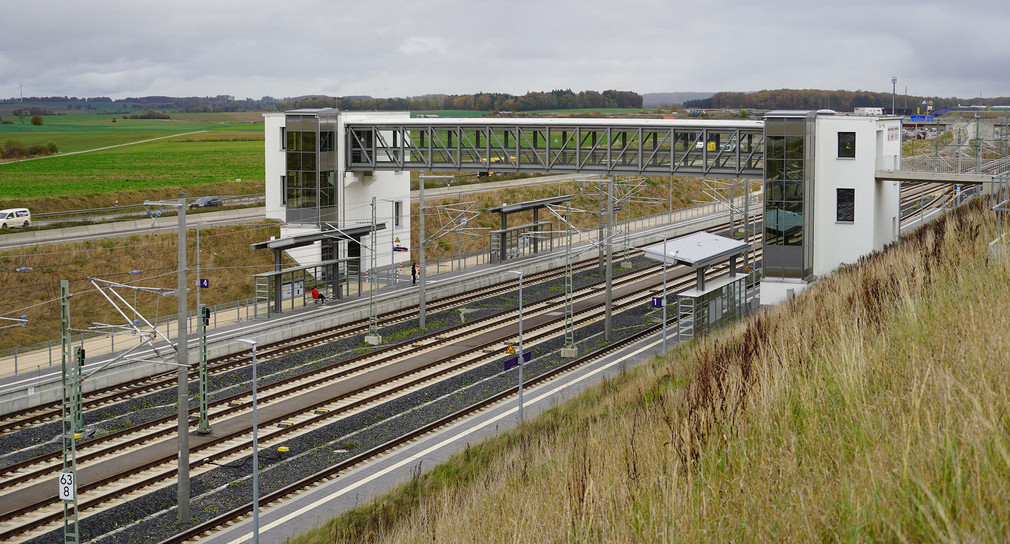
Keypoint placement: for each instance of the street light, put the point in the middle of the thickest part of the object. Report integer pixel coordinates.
(520, 273)
(256, 459)
(894, 83)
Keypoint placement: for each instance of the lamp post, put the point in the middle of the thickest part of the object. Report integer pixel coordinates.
(519, 272)
(894, 84)
(664, 294)
(256, 459)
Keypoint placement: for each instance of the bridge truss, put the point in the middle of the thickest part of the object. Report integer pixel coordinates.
(604, 146)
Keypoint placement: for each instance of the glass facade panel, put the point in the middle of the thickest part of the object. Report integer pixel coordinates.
(775, 147)
(786, 187)
(308, 141)
(327, 189)
(311, 149)
(327, 141)
(775, 169)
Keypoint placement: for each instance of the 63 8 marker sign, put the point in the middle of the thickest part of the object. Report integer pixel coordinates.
(68, 486)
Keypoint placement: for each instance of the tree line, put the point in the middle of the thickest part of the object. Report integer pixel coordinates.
(813, 99)
(558, 99)
(553, 100)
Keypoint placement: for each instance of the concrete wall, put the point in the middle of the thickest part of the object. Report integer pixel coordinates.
(358, 188)
(273, 152)
(837, 242)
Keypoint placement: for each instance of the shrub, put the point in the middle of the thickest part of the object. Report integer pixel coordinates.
(37, 149)
(15, 149)
(37, 121)
(52, 147)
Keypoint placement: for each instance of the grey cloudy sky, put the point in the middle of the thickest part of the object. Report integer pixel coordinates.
(383, 48)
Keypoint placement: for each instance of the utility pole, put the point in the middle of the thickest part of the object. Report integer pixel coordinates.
(894, 85)
(183, 359)
(420, 243)
(70, 423)
(373, 337)
(569, 350)
(607, 322)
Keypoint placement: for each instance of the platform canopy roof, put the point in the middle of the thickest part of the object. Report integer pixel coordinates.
(299, 240)
(697, 250)
(530, 204)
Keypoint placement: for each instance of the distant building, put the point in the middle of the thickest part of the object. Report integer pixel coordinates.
(868, 111)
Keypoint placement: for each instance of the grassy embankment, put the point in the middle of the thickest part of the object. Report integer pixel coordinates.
(225, 259)
(653, 197)
(873, 407)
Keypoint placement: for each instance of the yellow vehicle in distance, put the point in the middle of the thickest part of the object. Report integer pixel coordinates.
(509, 160)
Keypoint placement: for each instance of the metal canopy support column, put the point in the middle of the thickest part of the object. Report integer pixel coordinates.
(503, 243)
(536, 230)
(277, 283)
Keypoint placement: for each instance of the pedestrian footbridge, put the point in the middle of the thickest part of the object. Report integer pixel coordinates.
(535, 146)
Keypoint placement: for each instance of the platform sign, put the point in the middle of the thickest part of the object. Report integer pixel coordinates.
(657, 302)
(399, 248)
(204, 283)
(617, 208)
(68, 486)
(293, 289)
(513, 362)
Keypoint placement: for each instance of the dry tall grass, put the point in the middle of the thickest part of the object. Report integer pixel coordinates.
(225, 259)
(871, 408)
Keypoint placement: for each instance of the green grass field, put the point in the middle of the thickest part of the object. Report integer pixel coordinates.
(197, 153)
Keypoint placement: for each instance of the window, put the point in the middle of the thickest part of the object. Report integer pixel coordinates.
(284, 190)
(846, 145)
(846, 205)
(284, 138)
(397, 211)
(327, 141)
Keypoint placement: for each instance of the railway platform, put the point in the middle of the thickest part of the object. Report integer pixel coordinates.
(37, 380)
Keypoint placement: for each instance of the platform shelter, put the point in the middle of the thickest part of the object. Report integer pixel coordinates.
(713, 301)
(512, 242)
(283, 284)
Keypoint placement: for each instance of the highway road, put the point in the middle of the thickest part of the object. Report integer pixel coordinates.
(32, 238)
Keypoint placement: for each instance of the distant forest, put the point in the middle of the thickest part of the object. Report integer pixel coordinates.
(553, 100)
(560, 99)
(813, 99)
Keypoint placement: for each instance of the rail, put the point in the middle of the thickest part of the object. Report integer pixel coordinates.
(41, 355)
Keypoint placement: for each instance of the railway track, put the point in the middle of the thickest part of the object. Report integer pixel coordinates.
(149, 474)
(49, 412)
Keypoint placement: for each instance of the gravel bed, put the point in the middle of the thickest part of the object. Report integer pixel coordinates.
(152, 518)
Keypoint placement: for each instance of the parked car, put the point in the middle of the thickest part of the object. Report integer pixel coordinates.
(15, 217)
(206, 202)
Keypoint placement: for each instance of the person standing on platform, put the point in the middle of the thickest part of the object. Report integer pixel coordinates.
(413, 273)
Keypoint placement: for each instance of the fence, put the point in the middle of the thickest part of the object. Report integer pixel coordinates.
(48, 354)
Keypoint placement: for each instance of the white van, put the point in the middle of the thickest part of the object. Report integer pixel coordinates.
(15, 217)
